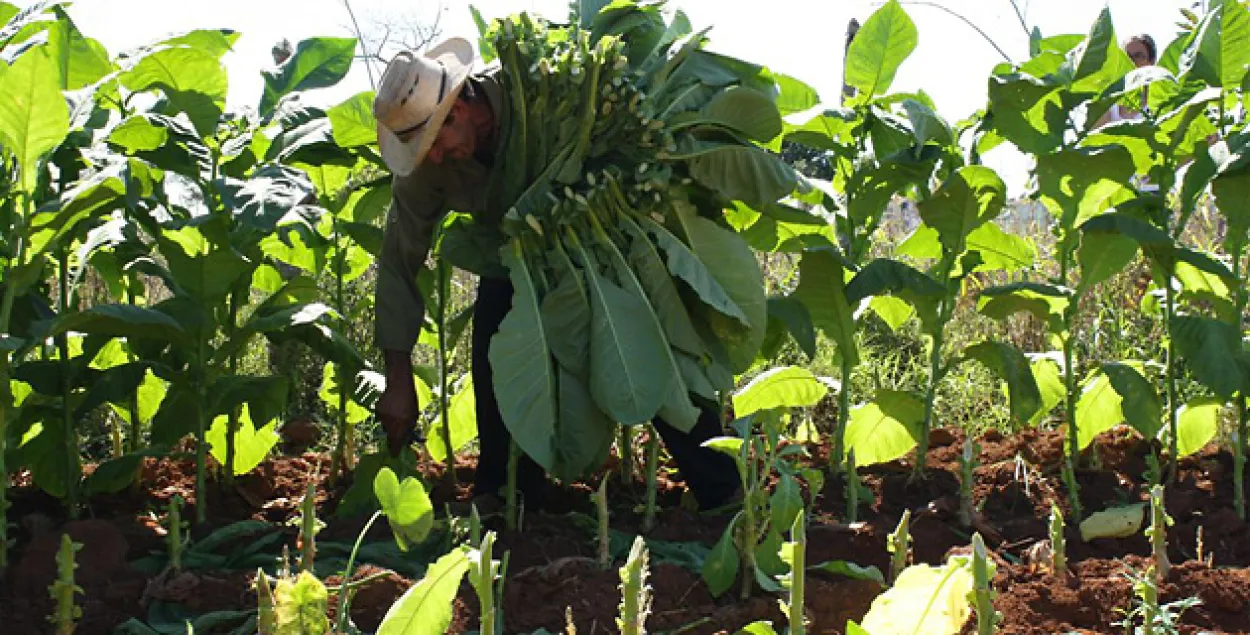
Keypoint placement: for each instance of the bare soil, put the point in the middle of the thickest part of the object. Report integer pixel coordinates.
(553, 577)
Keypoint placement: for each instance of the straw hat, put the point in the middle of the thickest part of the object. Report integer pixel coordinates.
(416, 94)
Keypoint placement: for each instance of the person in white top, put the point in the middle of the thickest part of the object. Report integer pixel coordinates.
(1141, 49)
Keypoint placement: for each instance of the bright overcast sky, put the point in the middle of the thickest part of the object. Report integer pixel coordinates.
(802, 38)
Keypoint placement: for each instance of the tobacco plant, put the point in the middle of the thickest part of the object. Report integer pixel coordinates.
(749, 546)
(983, 569)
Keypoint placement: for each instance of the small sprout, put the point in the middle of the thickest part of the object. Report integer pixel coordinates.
(601, 507)
(635, 593)
(64, 588)
(534, 224)
(1157, 532)
(983, 570)
(898, 544)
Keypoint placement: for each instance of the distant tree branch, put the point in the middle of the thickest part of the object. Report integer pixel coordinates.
(360, 38)
(965, 21)
(384, 35)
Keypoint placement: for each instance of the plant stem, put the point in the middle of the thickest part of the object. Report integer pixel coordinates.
(1170, 309)
(852, 489)
(1239, 436)
(72, 470)
(18, 237)
(935, 364)
(898, 543)
(1069, 383)
(982, 573)
(1158, 532)
(510, 510)
(201, 444)
(653, 466)
(444, 416)
(625, 448)
(838, 448)
(347, 572)
(339, 462)
(797, 578)
(749, 530)
(232, 425)
(601, 509)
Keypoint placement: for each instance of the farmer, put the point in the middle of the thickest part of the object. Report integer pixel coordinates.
(439, 129)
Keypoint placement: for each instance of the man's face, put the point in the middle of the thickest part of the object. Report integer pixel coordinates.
(456, 140)
(1139, 53)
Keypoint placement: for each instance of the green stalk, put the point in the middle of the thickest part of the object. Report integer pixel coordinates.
(201, 445)
(6, 394)
(308, 528)
(844, 414)
(635, 594)
(1069, 383)
(1174, 448)
(967, 468)
(1158, 532)
(795, 581)
(482, 574)
(67, 389)
(443, 412)
(653, 466)
(982, 575)
(601, 508)
(347, 572)
(64, 588)
(1148, 592)
(625, 446)
(510, 508)
(852, 489)
(750, 531)
(1239, 435)
(898, 543)
(342, 443)
(935, 365)
(175, 538)
(1058, 544)
(232, 425)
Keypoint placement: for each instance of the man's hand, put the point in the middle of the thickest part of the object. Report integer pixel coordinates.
(397, 407)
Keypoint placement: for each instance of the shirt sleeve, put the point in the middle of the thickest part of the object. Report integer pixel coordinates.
(416, 207)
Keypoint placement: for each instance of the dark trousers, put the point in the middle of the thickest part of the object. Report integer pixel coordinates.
(711, 476)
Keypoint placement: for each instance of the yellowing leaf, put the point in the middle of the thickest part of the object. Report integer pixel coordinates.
(783, 387)
(1117, 522)
(924, 599)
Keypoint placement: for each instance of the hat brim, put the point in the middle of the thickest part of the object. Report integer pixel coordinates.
(403, 157)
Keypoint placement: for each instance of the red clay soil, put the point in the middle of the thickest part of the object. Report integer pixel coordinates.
(552, 575)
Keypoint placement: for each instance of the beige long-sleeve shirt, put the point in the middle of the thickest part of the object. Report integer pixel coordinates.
(419, 203)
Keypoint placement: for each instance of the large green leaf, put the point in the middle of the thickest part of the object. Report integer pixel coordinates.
(662, 292)
(732, 264)
(1212, 350)
(119, 320)
(1198, 421)
(686, 265)
(81, 61)
(885, 428)
(317, 63)
(193, 80)
(794, 95)
(88, 199)
(780, 228)
(461, 419)
(34, 117)
(788, 313)
(746, 111)
(520, 358)
(1027, 111)
(264, 395)
(1139, 401)
(781, 387)
(720, 569)
(584, 433)
(251, 445)
(1009, 363)
(203, 269)
(1222, 47)
(879, 48)
(625, 346)
(739, 172)
(426, 607)
(968, 199)
(1078, 184)
(822, 289)
(329, 392)
(1101, 256)
(1046, 302)
(1050, 386)
(999, 250)
(1098, 61)
(406, 505)
(352, 121)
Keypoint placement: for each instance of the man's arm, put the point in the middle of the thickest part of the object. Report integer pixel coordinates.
(399, 309)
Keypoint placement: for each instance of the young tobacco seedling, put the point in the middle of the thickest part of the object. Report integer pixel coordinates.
(983, 570)
(1158, 531)
(1058, 544)
(635, 593)
(309, 525)
(292, 604)
(64, 588)
(898, 544)
(483, 572)
(756, 529)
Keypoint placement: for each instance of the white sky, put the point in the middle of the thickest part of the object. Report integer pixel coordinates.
(802, 38)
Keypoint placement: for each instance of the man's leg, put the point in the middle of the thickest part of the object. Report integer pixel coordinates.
(494, 299)
(711, 475)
